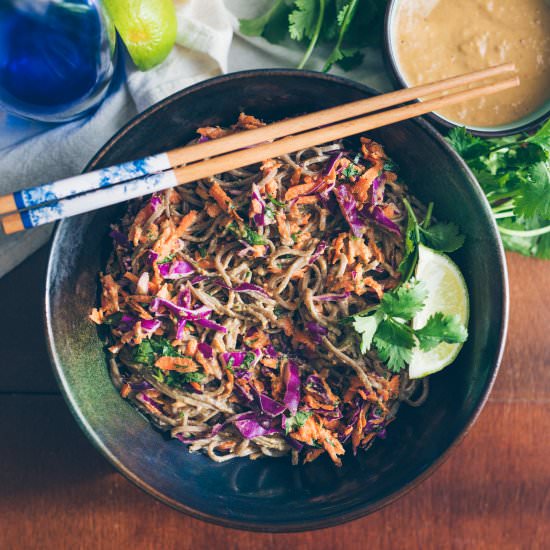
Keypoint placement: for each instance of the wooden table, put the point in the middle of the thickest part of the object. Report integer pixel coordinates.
(57, 492)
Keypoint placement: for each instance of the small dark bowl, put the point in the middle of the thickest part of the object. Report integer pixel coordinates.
(270, 494)
(525, 124)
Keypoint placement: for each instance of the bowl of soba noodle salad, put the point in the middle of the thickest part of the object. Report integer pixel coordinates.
(246, 347)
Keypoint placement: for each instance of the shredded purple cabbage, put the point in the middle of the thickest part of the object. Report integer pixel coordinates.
(176, 269)
(331, 162)
(183, 312)
(379, 216)
(252, 424)
(292, 384)
(206, 350)
(348, 206)
(321, 247)
(317, 331)
(207, 323)
(243, 287)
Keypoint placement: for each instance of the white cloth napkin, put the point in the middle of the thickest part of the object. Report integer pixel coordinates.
(32, 153)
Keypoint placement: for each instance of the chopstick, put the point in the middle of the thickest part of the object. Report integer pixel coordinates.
(50, 192)
(138, 186)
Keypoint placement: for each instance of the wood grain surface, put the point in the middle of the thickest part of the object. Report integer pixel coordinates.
(57, 492)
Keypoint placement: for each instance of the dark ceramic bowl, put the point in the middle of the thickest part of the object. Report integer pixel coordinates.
(270, 494)
(529, 122)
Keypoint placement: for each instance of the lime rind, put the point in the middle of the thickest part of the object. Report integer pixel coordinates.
(148, 29)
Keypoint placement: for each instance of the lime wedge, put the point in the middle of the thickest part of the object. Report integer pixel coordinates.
(447, 294)
(147, 28)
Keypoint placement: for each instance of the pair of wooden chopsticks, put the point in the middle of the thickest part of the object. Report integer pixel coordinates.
(52, 201)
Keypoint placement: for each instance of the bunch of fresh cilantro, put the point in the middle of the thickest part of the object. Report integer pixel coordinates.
(346, 26)
(514, 173)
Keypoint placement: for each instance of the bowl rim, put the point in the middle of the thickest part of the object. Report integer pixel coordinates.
(359, 510)
(394, 67)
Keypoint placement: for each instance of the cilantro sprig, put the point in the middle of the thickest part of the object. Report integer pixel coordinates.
(245, 232)
(340, 24)
(386, 327)
(295, 422)
(444, 237)
(514, 173)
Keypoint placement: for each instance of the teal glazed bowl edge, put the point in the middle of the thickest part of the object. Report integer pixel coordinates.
(270, 494)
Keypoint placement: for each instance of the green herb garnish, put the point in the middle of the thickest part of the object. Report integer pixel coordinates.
(154, 347)
(248, 359)
(339, 24)
(386, 326)
(444, 237)
(295, 422)
(350, 171)
(230, 364)
(275, 202)
(514, 173)
(167, 259)
(247, 233)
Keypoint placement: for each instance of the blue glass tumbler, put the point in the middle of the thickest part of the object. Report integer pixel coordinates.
(56, 57)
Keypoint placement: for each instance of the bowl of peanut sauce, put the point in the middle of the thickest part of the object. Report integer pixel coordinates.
(429, 40)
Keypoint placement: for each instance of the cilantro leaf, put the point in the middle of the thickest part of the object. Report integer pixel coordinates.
(442, 236)
(154, 347)
(302, 20)
(534, 199)
(248, 359)
(272, 25)
(394, 343)
(245, 232)
(543, 247)
(344, 19)
(542, 137)
(187, 377)
(441, 328)
(366, 327)
(275, 202)
(144, 353)
(467, 145)
(406, 301)
(350, 171)
(295, 422)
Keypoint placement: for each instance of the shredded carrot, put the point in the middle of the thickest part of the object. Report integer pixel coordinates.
(125, 390)
(312, 199)
(96, 315)
(186, 222)
(299, 190)
(131, 277)
(248, 122)
(226, 446)
(109, 296)
(300, 337)
(179, 364)
(361, 189)
(223, 200)
(338, 246)
(212, 132)
(296, 175)
(258, 339)
(312, 455)
(212, 209)
(191, 347)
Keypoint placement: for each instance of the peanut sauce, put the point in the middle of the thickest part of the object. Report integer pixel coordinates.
(436, 39)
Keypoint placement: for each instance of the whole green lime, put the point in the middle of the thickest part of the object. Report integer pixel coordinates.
(147, 28)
